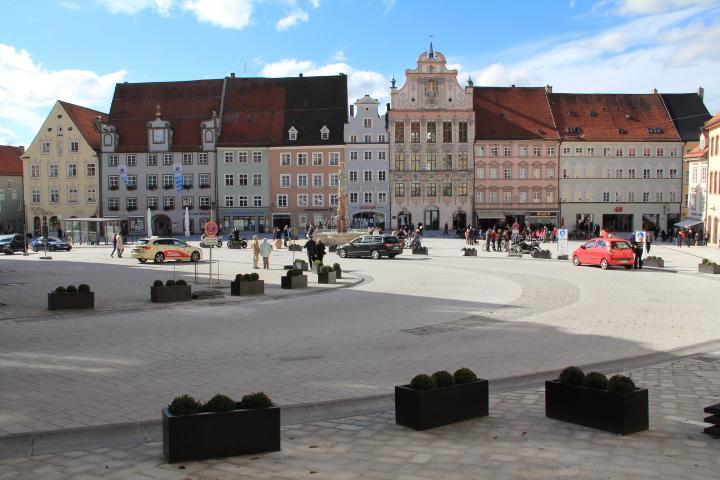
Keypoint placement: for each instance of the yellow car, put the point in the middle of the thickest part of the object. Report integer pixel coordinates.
(160, 249)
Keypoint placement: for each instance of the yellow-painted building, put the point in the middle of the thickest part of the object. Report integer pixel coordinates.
(61, 170)
(712, 127)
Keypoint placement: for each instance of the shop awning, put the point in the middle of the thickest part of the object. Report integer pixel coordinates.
(688, 222)
(489, 214)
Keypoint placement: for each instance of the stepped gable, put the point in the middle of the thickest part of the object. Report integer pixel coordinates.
(688, 112)
(184, 104)
(10, 163)
(612, 117)
(254, 112)
(520, 113)
(85, 120)
(314, 102)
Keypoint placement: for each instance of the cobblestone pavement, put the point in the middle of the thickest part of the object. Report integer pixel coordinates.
(515, 442)
(502, 316)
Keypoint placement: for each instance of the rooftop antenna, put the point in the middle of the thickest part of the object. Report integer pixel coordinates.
(431, 53)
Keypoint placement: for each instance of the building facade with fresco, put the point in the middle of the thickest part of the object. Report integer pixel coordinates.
(431, 126)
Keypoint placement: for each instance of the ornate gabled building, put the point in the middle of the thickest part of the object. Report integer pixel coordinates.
(516, 157)
(61, 170)
(156, 134)
(431, 125)
(366, 165)
(11, 189)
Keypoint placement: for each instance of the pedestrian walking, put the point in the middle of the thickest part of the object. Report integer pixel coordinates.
(320, 250)
(445, 231)
(119, 245)
(638, 249)
(114, 245)
(648, 243)
(286, 235)
(256, 251)
(265, 251)
(310, 246)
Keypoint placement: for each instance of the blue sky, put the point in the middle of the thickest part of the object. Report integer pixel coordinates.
(76, 50)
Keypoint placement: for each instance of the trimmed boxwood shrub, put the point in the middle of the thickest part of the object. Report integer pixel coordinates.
(621, 384)
(422, 382)
(572, 376)
(464, 375)
(326, 269)
(294, 272)
(443, 378)
(60, 290)
(83, 288)
(158, 283)
(317, 262)
(184, 405)
(707, 261)
(255, 401)
(170, 283)
(220, 403)
(181, 282)
(595, 380)
(336, 267)
(71, 289)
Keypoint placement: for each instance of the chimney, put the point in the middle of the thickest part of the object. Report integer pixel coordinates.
(98, 122)
(352, 110)
(701, 93)
(654, 91)
(512, 86)
(300, 75)
(232, 74)
(22, 149)
(548, 88)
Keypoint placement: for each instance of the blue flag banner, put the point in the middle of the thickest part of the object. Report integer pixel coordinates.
(124, 173)
(178, 178)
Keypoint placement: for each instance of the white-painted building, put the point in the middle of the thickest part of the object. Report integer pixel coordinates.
(367, 165)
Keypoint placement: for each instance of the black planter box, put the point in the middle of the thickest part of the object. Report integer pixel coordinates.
(653, 262)
(621, 413)
(469, 252)
(301, 266)
(327, 278)
(295, 248)
(175, 293)
(293, 282)
(235, 244)
(316, 268)
(70, 301)
(542, 254)
(420, 251)
(243, 288)
(338, 274)
(223, 434)
(425, 409)
(562, 257)
(708, 268)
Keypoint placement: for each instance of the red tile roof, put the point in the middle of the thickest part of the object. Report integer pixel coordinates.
(512, 113)
(612, 117)
(84, 119)
(184, 104)
(254, 112)
(696, 152)
(713, 121)
(10, 163)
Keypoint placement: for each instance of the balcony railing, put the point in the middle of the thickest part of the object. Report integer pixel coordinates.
(152, 187)
(131, 187)
(168, 207)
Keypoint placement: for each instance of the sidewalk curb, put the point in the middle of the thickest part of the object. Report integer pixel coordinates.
(137, 433)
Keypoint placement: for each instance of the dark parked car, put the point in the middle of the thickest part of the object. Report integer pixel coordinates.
(12, 243)
(373, 246)
(53, 244)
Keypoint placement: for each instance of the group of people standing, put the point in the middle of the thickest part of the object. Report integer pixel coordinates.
(263, 250)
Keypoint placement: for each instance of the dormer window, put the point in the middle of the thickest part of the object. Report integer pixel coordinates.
(324, 133)
(158, 135)
(208, 136)
(292, 134)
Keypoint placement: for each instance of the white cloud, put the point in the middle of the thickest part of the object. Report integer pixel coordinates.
(315, 3)
(28, 89)
(360, 82)
(70, 5)
(673, 52)
(7, 136)
(339, 56)
(221, 13)
(293, 18)
(131, 7)
(389, 4)
(642, 7)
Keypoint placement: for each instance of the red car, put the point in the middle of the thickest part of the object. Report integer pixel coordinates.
(605, 252)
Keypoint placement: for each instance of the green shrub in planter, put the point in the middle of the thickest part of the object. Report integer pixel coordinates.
(326, 269)
(443, 378)
(317, 262)
(464, 375)
(595, 380)
(220, 403)
(621, 384)
(255, 400)
(170, 283)
(294, 272)
(71, 289)
(707, 261)
(336, 267)
(254, 277)
(184, 405)
(60, 290)
(181, 282)
(422, 382)
(83, 288)
(158, 283)
(572, 376)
